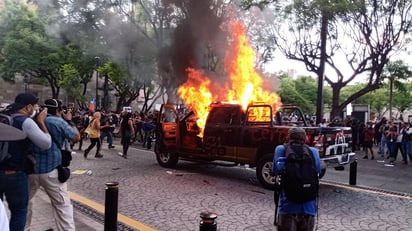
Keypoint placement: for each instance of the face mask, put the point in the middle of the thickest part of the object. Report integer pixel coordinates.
(33, 114)
(35, 111)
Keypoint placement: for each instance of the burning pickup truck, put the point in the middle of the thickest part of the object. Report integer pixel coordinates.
(232, 134)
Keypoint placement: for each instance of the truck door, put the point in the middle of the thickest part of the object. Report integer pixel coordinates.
(168, 130)
(222, 131)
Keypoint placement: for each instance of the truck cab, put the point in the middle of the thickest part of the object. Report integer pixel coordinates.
(239, 136)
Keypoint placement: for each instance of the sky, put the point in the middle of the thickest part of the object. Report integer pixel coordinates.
(281, 63)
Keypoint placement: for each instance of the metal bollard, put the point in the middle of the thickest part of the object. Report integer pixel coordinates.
(353, 172)
(110, 207)
(208, 221)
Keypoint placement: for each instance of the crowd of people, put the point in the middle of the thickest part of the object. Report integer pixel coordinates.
(35, 161)
(131, 127)
(389, 137)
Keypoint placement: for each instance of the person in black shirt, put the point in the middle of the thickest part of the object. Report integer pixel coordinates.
(106, 130)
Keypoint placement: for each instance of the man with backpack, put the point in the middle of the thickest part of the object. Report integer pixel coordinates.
(8, 133)
(296, 167)
(49, 163)
(13, 169)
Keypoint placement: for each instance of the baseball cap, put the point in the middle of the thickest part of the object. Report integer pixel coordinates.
(297, 133)
(22, 100)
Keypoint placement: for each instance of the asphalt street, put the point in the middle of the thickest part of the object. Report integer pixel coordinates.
(156, 198)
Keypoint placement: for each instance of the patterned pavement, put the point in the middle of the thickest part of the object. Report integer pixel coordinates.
(155, 198)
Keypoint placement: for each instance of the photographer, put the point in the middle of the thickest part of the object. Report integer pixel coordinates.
(47, 162)
(13, 171)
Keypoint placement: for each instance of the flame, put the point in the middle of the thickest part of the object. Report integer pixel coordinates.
(246, 85)
(197, 95)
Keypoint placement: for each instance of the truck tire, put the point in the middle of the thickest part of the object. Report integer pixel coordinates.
(264, 171)
(167, 160)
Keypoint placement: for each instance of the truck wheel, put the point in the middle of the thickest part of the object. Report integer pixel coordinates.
(167, 160)
(264, 171)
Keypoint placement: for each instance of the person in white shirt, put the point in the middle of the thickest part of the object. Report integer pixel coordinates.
(323, 123)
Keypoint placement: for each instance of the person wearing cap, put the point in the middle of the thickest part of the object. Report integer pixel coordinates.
(14, 185)
(47, 162)
(292, 215)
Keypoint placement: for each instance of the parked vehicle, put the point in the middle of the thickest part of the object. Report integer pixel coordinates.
(249, 136)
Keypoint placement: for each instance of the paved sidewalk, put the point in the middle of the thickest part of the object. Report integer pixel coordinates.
(43, 217)
(86, 220)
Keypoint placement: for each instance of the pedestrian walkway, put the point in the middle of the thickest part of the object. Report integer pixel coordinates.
(89, 216)
(43, 216)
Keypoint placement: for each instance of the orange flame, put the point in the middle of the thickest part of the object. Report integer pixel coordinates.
(197, 95)
(198, 92)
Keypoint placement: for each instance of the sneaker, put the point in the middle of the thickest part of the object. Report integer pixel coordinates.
(122, 155)
(365, 157)
(98, 155)
(111, 146)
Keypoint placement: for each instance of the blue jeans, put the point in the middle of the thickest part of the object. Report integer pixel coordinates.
(408, 150)
(109, 137)
(15, 187)
(391, 148)
(384, 143)
(296, 222)
(147, 139)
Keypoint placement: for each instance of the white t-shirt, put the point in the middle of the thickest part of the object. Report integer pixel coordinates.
(4, 220)
(36, 135)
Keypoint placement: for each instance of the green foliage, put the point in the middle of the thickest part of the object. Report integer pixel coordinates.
(26, 47)
(116, 74)
(396, 72)
(349, 90)
(402, 101)
(302, 92)
(298, 92)
(70, 83)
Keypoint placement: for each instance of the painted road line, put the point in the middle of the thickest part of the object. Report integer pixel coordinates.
(120, 217)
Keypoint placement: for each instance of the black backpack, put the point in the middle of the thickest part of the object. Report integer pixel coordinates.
(300, 179)
(4, 145)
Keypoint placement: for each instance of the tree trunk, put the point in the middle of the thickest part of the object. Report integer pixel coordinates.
(390, 97)
(321, 71)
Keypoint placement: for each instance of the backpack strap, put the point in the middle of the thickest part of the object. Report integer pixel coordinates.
(277, 191)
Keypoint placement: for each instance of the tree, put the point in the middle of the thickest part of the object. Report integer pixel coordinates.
(301, 92)
(28, 47)
(402, 101)
(118, 76)
(396, 72)
(365, 33)
(70, 83)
